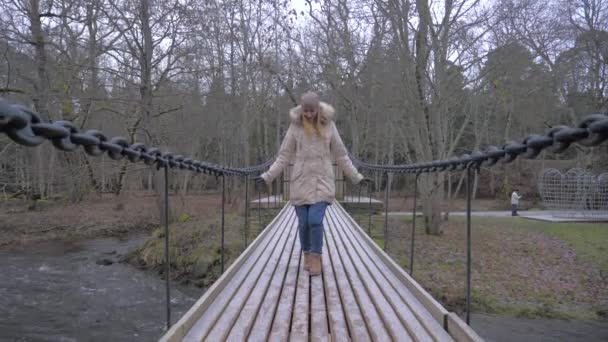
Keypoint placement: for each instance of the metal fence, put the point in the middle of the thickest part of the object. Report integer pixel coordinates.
(575, 193)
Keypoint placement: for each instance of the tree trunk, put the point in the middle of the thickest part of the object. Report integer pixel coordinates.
(432, 193)
(42, 85)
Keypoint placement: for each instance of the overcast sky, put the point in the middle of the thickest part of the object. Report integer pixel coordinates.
(299, 5)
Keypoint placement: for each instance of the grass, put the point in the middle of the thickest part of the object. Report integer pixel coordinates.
(590, 241)
(520, 267)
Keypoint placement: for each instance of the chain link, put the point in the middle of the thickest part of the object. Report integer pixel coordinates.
(591, 131)
(25, 127)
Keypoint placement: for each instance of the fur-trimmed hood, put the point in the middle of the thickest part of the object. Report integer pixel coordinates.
(326, 111)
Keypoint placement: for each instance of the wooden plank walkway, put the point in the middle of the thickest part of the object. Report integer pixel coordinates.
(361, 296)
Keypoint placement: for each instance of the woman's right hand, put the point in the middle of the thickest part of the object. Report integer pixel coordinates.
(366, 181)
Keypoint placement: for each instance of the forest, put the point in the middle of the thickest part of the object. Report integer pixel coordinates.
(411, 80)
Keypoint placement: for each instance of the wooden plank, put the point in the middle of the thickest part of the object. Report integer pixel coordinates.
(460, 330)
(437, 311)
(318, 312)
(282, 317)
(180, 329)
(382, 327)
(299, 321)
(366, 245)
(354, 317)
(268, 287)
(224, 324)
(388, 281)
(216, 312)
(335, 312)
(385, 295)
(279, 288)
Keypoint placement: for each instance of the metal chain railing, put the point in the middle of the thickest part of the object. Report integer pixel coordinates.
(25, 127)
(591, 131)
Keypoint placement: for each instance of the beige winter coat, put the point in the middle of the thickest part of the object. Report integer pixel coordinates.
(312, 177)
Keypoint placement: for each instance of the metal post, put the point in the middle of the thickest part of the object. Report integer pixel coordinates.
(359, 200)
(259, 207)
(369, 227)
(167, 261)
(386, 212)
(414, 226)
(223, 216)
(343, 185)
(468, 285)
(246, 209)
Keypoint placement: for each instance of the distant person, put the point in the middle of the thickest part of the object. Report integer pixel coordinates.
(310, 141)
(515, 197)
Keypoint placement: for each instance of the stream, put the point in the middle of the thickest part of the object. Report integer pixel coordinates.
(57, 291)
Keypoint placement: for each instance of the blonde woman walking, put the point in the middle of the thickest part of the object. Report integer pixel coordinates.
(310, 142)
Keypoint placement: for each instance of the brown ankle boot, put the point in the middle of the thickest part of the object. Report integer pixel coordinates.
(315, 264)
(306, 261)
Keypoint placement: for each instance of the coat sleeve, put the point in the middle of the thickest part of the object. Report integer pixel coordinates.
(288, 147)
(341, 155)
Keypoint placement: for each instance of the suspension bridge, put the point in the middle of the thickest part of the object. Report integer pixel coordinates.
(362, 295)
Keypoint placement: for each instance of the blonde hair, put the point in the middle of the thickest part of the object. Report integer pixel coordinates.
(315, 126)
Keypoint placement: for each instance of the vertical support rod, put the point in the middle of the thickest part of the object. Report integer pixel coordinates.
(386, 211)
(246, 209)
(343, 178)
(167, 261)
(414, 226)
(223, 216)
(268, 198)
(468, 284)
(259, 208)
(359, 200)
(369, 214)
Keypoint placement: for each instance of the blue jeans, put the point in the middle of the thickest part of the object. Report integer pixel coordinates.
(513, 209)
(310, 226)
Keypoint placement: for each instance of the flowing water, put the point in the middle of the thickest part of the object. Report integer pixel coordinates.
(56, 291)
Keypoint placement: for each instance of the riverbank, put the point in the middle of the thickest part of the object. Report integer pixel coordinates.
(24, 222)
(195, 247)
(195, 230)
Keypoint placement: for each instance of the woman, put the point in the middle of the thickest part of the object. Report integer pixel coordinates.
(311, 140)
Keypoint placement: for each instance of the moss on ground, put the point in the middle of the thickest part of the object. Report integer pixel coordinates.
(195, 247)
